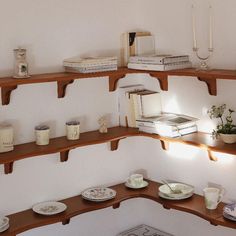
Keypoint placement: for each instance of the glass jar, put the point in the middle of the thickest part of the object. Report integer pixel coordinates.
(21, 65)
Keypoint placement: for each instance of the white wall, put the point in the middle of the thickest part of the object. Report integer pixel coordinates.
(53, 30)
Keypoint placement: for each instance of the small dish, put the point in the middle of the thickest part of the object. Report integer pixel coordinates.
(4, 221)
(98, 194)
(4, 228)
(184, 188)
(49, 208)
(162, 195)
(230, 210)
(143, 185)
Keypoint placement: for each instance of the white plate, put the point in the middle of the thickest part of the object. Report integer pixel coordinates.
(4, 221)
(229, 217)
(185, 189)
(49, 208)
(98, 194)
(175, 198)
(143, 185)
(230, 210)
(4, 228)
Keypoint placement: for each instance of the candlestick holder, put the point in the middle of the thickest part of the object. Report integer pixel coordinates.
(203, 60)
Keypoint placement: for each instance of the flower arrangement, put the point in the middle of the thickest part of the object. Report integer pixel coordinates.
(226, 125)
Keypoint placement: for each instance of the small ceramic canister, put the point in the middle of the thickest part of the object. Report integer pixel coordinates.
(42, 133)
(72, 130)
(6, 138)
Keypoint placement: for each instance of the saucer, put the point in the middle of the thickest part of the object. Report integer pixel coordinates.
(143, 185)
(49, 208)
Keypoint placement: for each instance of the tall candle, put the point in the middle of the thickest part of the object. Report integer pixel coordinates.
(210, 28)
(194, 28)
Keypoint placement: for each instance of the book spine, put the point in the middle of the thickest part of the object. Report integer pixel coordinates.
(152, 67)
(74, 64)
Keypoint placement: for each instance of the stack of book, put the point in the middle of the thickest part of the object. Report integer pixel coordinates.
(90, 64)
(168, 124)
(159, 62)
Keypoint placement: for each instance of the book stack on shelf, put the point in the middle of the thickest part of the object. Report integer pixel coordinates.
(142, 108)
(159, 62)
(90, 64)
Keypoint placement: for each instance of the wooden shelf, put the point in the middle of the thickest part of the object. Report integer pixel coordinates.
(63, 146)
(26, 220)
(63, 79)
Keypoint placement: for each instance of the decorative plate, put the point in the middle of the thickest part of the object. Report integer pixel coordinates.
(4, 221)
(4, 228)
(49, 208)
(230, 209)
(143, 185)
(229, 217)
(98, 194)
(175, 198)
(184, 188)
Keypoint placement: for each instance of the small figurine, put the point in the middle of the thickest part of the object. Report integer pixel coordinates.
(21, 65)
(103, 124)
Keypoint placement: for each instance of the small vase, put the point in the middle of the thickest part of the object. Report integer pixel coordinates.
(228, 138)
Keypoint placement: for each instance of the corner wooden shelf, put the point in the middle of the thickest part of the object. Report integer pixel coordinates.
(63, 146)
(63, 79)
(26, 220)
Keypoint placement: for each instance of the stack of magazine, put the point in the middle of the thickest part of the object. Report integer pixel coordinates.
(90, 64)
(159, 62)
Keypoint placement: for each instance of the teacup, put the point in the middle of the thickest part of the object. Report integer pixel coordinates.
(213, 196)
(136, 180)
(42, 133)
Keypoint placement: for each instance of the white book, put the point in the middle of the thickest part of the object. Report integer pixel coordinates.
(77, 64)
(159, 59)
(151, 104)
(124, 103)
(153, 67)
(90, 60)
(144, 45)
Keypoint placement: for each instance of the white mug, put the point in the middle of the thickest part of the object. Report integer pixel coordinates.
(136, 180)
(72, 130)
(42, 133)
(213, 196)
(6, 138)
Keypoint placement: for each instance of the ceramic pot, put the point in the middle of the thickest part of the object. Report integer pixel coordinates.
(228, 138)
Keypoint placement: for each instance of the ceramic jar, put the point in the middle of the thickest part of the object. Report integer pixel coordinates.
(6, 138)
(42, 133)
(73, 130)
(228, 138)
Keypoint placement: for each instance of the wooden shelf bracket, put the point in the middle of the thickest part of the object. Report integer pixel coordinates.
(61, 87)
(165, 145)
(113, 79)
(211, 156)
(66, 222)
(8, 168)
(116, 205)
(6, 94)
(64, 155)
(115, 144)
(163, 80)
(211, 85)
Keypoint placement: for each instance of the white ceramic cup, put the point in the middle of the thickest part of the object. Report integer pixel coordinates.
(42, 135)
(73, 130)
(213, 196)
(6, 138)
(136, 180)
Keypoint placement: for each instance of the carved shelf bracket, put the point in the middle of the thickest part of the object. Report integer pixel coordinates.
(66, 222)
(166, 207)
(116, 206)
(211, 156)
(6, 94)
(164, 145)
(163, 80)
(64, 156)
(113, 79)
(211, 85)
(61, 87)
(8, 168)
(115, 145)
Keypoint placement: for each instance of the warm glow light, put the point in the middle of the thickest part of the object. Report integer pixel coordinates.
(224, 158)
(173, 105)
(185, 152)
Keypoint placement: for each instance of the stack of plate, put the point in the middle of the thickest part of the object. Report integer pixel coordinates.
(229, 212)
(183, 191)
(4, 223)
(98, 194)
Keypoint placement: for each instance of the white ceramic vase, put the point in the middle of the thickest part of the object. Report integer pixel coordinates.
(228, 138)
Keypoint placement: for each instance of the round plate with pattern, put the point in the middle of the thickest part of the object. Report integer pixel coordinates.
(49, 208)
(98, 194)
